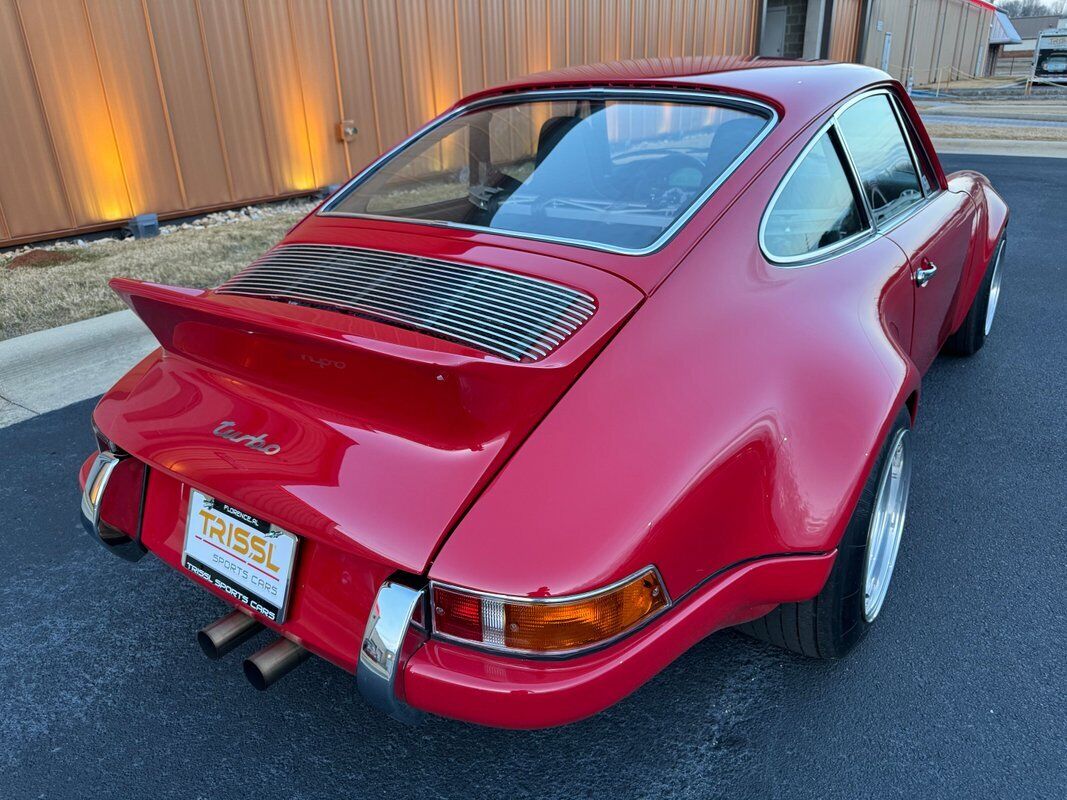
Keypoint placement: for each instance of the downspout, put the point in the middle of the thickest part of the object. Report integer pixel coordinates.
(865, 31)
(908, 61)
(942, 19)
(761, 21)
(827, 28)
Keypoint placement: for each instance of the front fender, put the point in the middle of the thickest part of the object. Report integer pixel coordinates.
(736, 416)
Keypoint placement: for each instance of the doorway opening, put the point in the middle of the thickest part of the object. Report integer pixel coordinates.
(795, 28)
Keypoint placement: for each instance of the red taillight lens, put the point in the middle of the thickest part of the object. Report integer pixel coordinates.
(557, 625)
(120, 504)
(457, 614)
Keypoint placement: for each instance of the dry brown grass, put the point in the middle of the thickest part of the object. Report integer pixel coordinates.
(33, 298)
(1027, 133)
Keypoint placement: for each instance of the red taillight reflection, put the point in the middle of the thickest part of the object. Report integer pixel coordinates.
(120, 503)
(457, 614)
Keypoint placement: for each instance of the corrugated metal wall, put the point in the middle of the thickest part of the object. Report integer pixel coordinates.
(929, 40)
(845, 29)
(110, 108)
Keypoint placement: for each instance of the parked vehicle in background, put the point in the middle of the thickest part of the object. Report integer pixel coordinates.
(1050, 56)
(595, 364)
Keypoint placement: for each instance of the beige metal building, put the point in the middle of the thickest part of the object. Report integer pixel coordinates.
(921, 41)
(928, 41)
(113, 108)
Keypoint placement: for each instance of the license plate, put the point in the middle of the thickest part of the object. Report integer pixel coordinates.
(245, 556)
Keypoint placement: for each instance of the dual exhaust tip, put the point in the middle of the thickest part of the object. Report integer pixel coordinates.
(264, 667)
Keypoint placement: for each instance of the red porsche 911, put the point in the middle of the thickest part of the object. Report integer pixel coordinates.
(593, 365)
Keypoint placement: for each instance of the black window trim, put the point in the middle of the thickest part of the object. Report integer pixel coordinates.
(872, 230)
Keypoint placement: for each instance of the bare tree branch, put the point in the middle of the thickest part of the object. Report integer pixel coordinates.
(1032, 8)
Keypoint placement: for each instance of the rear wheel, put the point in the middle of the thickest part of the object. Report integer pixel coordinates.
(972, 334)
(833, 622)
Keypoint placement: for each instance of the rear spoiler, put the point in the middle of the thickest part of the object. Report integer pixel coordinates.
(387, 376)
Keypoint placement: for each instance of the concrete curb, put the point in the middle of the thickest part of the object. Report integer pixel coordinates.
(1001, 147)
(43, 371)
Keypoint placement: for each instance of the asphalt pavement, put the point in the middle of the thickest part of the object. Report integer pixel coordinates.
(959, 691)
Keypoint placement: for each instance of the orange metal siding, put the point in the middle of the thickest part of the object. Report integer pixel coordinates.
(190, 101)
(33, 198)
(135, 108)
(845, 29)
(110, 108)
(228, 55)
(70, 86)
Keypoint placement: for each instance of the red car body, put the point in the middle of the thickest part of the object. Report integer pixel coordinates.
(716, 417)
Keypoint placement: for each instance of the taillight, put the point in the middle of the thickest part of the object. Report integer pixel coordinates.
(119, 507)
(557, 625)
(113, 501)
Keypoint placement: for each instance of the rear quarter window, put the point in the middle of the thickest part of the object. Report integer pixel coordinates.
(815, 209)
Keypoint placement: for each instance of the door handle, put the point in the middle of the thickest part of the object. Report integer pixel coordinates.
(923, 276)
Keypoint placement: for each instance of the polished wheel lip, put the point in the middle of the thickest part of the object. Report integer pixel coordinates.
(887, 524)
(994, 290)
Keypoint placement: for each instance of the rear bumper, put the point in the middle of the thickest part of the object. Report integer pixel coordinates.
(404, 673)
(488, 689)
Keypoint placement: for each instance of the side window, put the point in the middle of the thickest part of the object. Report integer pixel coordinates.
(816, 206)
(926, 170)
(876, 144)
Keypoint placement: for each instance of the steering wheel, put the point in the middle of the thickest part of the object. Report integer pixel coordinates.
(654, 183)
(878, 198)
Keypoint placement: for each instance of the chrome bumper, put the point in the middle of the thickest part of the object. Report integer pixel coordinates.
(117, 542)
(391, 635)
(388, 640)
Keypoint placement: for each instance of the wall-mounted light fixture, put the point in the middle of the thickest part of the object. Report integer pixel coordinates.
(346, 130)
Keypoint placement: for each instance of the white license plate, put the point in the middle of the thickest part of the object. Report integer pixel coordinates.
(245, 556)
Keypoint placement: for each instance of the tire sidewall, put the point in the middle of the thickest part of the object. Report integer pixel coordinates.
(971, 336)
(842, 599)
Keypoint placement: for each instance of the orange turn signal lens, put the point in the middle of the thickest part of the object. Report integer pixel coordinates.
(548, 625)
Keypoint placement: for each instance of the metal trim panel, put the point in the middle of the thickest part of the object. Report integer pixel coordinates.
(513, 316)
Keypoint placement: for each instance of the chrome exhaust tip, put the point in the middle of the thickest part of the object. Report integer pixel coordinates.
(273, 662)
(222, 635)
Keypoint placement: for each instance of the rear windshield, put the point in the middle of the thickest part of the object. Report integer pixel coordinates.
(606, 172)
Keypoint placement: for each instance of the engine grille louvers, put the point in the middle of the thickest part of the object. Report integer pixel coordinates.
(508, 315)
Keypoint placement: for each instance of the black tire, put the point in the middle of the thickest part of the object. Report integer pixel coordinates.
(969, 339)
(832, 623)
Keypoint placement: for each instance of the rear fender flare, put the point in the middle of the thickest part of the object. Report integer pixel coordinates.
(755, 443)
(990, 226)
